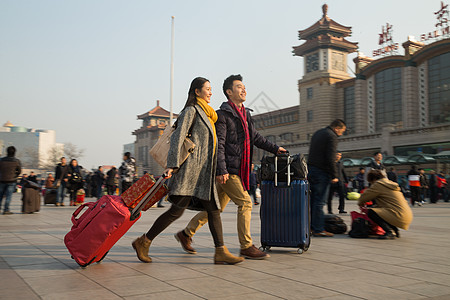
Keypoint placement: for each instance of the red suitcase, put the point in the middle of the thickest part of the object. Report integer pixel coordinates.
(102, 224)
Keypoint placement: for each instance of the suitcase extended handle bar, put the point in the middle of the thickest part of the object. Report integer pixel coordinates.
(137, 210)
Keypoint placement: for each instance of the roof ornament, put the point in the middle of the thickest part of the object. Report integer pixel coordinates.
(325, 9)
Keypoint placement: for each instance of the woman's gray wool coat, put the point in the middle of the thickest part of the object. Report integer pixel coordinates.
(196, 176)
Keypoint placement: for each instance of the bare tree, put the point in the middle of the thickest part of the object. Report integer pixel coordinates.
(72, 151)
(29, 158)
(53, 158)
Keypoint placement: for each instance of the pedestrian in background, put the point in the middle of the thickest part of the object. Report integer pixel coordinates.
(111, 181)
(391, 175)
(414, 185)
(338, 187)
(49, 181)
(99, 181)
(61, 181)
(127, 172)
(432, 185)
(322, 171)
(423, 185)
(32, 177)
(10, 169)
(75, 180)
(376, 164)
(360, 179)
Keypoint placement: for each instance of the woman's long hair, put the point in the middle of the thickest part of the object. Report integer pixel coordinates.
(196, 84)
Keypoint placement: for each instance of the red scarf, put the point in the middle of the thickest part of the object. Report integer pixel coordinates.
(244, 171)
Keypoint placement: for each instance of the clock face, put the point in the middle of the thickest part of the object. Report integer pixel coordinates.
(338, 61)
(312, 62)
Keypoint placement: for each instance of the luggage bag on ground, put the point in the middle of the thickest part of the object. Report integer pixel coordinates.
(50, 196)
(334, 224)
(285, 212)
(102, 224)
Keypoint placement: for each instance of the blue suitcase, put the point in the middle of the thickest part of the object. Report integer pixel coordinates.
(285, 214)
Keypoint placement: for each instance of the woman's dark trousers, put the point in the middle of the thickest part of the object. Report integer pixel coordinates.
(176, 210)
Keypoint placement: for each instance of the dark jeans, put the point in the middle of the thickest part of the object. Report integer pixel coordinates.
(6, 190)
(61, 192)
(320, 182)
(415, 194)
(175, 211)
(340, 189)
(433, 194)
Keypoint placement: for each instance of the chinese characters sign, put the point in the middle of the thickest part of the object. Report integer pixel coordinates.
(388, 47)
(442, 26)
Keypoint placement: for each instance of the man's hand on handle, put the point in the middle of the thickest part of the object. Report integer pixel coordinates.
(281, 150)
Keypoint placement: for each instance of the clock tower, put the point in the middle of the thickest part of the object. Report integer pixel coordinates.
(325, 63)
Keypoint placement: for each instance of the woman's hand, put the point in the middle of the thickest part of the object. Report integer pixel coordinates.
(222, 179)
(168, 172)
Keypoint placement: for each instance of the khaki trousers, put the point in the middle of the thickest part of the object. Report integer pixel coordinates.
(231, 190)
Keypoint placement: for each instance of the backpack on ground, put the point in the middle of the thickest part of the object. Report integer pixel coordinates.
(360, 228)
(334, 224)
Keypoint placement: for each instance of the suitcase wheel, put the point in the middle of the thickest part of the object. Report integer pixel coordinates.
(299, 250)
(264, 248)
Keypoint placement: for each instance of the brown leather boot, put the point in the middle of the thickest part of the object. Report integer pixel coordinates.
(185, 242)
(223, 256)
(142, 245)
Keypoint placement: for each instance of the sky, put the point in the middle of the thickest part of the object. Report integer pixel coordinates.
(87, 68)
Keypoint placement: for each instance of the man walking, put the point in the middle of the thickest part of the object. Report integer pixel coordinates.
(322, 171)
(61, 181)
(236, 136)
(338, 187)
(127, 172)
(10, 168)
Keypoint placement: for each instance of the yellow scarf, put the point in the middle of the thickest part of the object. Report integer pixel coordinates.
(211, 114)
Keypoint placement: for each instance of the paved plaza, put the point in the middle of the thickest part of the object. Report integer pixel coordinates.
(34, 263)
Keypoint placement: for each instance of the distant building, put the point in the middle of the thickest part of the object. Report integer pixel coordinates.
(33, 145)
(153, 124)
(397, 104)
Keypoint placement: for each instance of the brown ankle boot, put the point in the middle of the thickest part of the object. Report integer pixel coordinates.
(223, 256)
(142, 245)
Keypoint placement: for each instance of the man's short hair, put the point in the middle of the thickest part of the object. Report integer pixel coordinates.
(228, 83)
(338, 123)
(127, 154)
(62, 158)
(11, 151)
(376, 153)
(374, 175)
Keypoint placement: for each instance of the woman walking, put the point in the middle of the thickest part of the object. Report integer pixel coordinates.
(192, 184)
(75, 180)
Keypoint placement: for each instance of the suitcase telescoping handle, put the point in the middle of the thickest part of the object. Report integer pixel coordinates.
(137, 209)
(288, 157)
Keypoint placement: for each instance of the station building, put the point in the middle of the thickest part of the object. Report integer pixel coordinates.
(396, 104)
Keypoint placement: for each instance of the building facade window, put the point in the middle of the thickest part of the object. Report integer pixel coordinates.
(349, 109)
(388, 97)
(309, 93)
(309, 116)
(439, 89)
